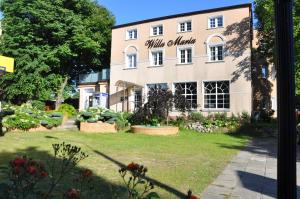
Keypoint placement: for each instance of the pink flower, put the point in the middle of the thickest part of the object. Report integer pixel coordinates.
(19, 162)
(31, 170)
(44, 174)
(72, 194)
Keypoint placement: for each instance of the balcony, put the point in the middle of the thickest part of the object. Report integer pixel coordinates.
(94, 77)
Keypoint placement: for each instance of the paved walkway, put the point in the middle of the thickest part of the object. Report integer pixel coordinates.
(250, 175)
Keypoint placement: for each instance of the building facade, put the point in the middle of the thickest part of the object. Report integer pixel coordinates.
(94, 89)
(205, 54)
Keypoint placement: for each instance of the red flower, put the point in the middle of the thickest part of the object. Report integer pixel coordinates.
(19, 162)
(87, 173)
(133, 166)
(31, 170)
(44, 174)
(192, 197)
(72, 194)
(16, 170)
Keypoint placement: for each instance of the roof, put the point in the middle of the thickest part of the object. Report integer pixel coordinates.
(185, 14)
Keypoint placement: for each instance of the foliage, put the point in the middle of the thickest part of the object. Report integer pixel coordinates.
(134, 177)
(52, 42)
(264, 13)
(67, 109)
(197, 121)
(27, 177)
(94, 114)
(26, 117)
(159, 104)
(38, 105)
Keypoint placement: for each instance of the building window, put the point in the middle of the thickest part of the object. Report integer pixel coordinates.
(163, 86)
(215, 22)
(189, 91)
(157, 58)
(264, 72)
(185, 56)
(157, 30)
(131, 61)
(216, 95)
(131, 34)
(217, 53)
(137, 99)
(185, 26)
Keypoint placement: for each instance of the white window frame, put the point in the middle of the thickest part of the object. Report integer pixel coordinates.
(203, 96)
(128, 32)
(185, 94)
(129, 61)
(157, 33)
(216, 52)
(216, 22)
(179, 49)
(151, 56)
(185, 26)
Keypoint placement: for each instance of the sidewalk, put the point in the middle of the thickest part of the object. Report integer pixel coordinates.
(250, 175)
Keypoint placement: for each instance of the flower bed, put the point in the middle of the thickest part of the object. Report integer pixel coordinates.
(97, 127)
(154, 130)
(26, 117)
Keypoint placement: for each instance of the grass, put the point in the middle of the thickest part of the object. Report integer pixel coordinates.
(177, 163)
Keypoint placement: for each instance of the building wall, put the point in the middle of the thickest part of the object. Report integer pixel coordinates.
(236, 67)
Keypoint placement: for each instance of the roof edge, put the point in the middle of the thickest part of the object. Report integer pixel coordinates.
(184, 14)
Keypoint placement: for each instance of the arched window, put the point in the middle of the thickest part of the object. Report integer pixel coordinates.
(131, 57)
(215, 47)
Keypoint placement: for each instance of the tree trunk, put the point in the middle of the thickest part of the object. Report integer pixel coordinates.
(60, 93)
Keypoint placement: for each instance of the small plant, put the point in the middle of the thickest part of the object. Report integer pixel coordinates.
(67, 110)
(138, 186)
(39, 105)
(28, 178)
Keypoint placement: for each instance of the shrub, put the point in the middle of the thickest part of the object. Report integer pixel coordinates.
(28, 178)
(39, 105)
(67, 110)
(93, 115)
(196, 117)
(26, 117)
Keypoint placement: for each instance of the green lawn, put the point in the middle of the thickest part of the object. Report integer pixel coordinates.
(176, 163)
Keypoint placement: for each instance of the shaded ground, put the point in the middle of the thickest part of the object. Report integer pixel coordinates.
(251, 174)
(176, 163)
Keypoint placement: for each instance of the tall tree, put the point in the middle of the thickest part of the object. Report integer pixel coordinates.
(52, 41)
(264, 13)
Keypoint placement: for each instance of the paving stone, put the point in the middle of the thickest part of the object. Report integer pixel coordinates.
(250, 175)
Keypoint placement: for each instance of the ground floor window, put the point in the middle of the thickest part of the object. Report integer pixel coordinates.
(137, 99)
(216, 95)
(163, 86)
(189, 91)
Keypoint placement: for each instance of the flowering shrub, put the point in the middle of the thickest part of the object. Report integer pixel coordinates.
(133, 176)
(27, 177)
(26, 117)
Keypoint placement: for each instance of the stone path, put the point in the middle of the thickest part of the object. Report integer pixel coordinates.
(250, 175)
(69, 125)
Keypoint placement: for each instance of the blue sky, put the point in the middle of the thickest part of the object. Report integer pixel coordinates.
(127, 11)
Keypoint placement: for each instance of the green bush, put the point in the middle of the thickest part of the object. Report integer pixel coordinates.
(39, 105)
(20, 121)
(26, 117)
(67, 109)
(196, 117)
(104, 115)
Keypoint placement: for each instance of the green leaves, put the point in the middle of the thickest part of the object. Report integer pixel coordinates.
(51, 40)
